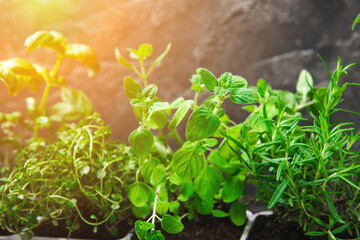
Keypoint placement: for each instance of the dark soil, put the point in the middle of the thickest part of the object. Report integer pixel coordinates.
(201, 228)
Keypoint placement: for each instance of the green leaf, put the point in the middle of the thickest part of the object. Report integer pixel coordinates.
(219, 214)
(141, 228)
(174, 207)
(278, 192)
(158, 176)
(141, 141)
(9, 78)
(162, 55)
(65, 111)
(305, 82)
(85, 54)
(159, 106)
(171, 225)
(225, 80)
(78, 100)
(158, 119)
(176, 179)
(186, 191)
(202, 123)
(144, 50)
(239, 82)
(162, 207)
(232, 189)
(332, 208)
(150, 91)
(122, 60)
(244, 96)
(208, 182)
(141, 211)
(132, 88)
(208, 79)
(139, 193)
(356, 21)
(238, 213)
(187, 163)
(261, 87)
(154, 235)
(257, 123)
(204, 207)
(180, 114)
(46, 39)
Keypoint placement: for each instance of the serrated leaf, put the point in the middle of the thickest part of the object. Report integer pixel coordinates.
(158, 176)
(187, 163)
(208, 182)
(122, 60)
(132, 88)
(139, 193)
(162, 55)
(46, 39)
(232, 189)
(238, 213)
(180, 114)
(244, 96)
(207, 78)
(202, 123)
(171, 225)
(85, 54)
(141, 141)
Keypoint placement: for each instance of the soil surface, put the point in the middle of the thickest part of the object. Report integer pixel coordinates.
(201, 228)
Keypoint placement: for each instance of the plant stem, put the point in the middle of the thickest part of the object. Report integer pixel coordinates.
(153, 216)
(177, 137)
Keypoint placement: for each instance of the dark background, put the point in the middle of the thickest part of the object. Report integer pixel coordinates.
(270, 39)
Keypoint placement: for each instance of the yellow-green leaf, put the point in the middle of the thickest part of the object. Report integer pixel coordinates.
(46, 39)
(85, 54)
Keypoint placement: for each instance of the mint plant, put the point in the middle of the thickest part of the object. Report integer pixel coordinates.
(198, 174)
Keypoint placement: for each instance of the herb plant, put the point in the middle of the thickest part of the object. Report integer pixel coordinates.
(70, 173)
(306, 173)
(198, 174)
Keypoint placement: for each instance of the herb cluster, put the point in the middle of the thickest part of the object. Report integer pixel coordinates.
(58, 164)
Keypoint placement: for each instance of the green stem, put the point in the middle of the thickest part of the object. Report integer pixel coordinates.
(177, 137)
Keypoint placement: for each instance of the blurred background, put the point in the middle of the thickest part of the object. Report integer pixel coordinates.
(269, 39)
